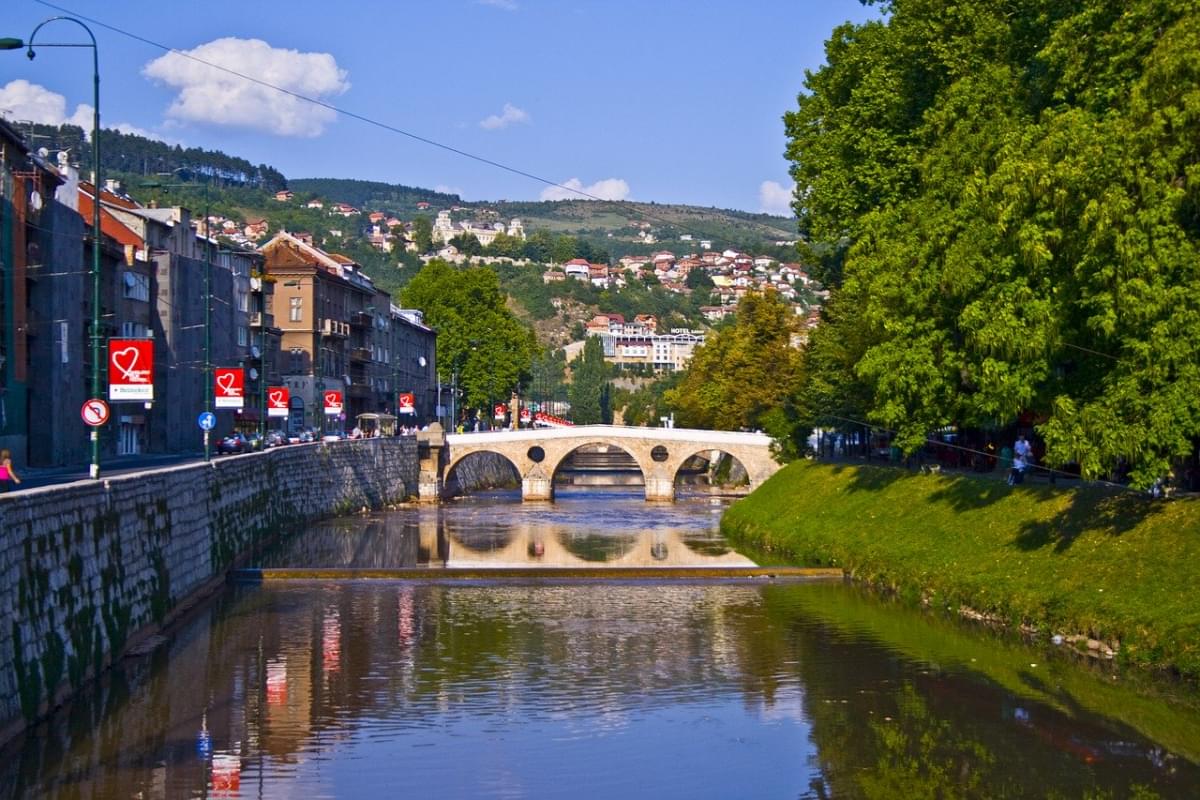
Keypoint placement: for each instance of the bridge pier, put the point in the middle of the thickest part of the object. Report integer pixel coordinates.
(431, 453)
(660, 489)
(537, 486)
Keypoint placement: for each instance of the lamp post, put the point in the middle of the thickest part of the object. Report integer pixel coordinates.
(208, 379)
(16, 44)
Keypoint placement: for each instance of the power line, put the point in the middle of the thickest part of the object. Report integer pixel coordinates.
(364, 118)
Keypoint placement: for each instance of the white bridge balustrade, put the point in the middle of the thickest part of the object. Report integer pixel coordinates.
(537, 454)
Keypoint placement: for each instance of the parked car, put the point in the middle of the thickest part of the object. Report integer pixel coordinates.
(233, 443)
(276, 439)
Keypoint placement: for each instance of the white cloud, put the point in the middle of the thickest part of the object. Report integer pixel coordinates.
(775, 198)
(507, 5)
(508, 116)
(21, 100)
(210, 95)
(607, 189)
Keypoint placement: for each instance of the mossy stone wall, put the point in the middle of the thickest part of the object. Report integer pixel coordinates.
(87, 567)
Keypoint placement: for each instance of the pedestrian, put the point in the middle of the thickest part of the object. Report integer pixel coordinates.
(1017, 473)
(1022, 448)
(8, 476)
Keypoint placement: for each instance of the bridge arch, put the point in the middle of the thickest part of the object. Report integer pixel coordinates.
(452, 483)
(556, 457)
(685, 455)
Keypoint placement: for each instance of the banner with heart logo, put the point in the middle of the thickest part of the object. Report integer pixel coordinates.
(131, 369)
(333, 403)
(229, 387)
(406, 403)
(278, 398)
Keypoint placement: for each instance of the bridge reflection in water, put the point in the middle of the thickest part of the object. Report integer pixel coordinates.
(495, 530)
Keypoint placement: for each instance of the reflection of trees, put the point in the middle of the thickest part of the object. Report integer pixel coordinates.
(886, 726)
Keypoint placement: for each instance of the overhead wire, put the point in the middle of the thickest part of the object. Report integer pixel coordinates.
(362, 117)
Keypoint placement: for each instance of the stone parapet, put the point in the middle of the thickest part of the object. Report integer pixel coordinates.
(88, 568)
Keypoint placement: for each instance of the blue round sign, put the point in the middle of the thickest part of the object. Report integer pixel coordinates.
(207, 420)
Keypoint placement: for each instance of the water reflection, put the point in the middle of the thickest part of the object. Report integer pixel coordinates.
(585, 691)
(631, 690)
(497, 530)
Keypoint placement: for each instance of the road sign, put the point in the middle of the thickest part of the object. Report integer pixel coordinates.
(94, 412)
(278, 398)
(229, 387)
(207, 420)
(333, 403)
(131, 369)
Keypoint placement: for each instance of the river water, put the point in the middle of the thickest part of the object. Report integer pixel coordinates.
(593, 690)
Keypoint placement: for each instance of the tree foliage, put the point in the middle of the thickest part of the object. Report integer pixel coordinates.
(1009, 198)
(478, 337)
(590, 390)
(743, 375)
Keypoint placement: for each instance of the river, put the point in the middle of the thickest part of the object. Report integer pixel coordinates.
(630, 689)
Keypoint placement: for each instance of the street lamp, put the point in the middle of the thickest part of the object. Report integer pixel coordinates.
(16, 44)
(208, 379)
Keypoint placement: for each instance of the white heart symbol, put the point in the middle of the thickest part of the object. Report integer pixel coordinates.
(225, 381)
(277, 398)
(131, 355)
(331, 399)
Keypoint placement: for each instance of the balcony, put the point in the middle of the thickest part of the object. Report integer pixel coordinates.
(360, 391)
(361, 319)
(258, 319)
(360, 354)
(333, 327)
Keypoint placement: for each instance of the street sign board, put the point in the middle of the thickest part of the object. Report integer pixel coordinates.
(94, 412)
(277, 401)
(131, 369)
(333, 403)
(406, 403)
(229, 387)
(207, 420)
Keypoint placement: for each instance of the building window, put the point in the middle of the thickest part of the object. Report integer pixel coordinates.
(136, 286)
(295, 310)
(243, 300)
(243, 336)
(297, 360)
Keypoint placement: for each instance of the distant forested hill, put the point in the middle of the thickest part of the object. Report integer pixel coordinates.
(136, 155)
(372, 194)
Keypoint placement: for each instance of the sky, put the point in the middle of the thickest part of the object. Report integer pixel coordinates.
(673, 101)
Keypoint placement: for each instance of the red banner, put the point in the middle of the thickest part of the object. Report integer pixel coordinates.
(526, 415)
(131, 369)
(229, 387)
(277, 401)
(333, 403)
(501, 410)
(406, 403)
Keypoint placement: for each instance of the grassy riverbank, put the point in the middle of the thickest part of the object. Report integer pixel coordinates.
(1076, 560)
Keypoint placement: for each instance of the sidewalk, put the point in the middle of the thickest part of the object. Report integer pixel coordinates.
(33, 477)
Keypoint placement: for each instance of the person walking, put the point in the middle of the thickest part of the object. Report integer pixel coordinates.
(8, 476)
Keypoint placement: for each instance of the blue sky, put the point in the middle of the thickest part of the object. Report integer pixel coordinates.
(670, 100)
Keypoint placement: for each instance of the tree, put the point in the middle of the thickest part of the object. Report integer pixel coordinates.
(1006, 200)
(478, 337)
(467, 244)
(743, 375)
(422, 233)
(589, 391)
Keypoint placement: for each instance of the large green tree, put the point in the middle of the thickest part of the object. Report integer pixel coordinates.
(479, 339)
(743, 375)
(1010, 195)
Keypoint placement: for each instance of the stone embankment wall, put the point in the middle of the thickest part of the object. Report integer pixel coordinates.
(88, 568)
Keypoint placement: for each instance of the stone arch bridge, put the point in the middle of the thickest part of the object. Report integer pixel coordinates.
(538, 453)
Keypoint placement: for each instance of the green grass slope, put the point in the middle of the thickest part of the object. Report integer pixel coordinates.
(1078, 560)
